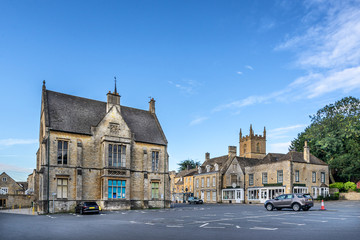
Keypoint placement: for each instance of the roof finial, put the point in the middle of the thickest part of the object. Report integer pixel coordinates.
(115, 85)
(43, 86)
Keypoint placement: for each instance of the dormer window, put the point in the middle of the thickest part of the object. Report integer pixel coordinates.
(207, 168)
(216, 167)
(199, 171)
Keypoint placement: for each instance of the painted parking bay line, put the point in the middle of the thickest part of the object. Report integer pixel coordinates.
(204, 225)
(263, 228)
(174, 226)
(298, 224)
(311, 220)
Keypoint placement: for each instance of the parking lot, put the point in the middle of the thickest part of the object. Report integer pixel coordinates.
(203, 221)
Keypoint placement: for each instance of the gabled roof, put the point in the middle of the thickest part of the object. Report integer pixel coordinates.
(186, 172)
(247, 162)
(220, 161)
(299, 157)
(74, 114)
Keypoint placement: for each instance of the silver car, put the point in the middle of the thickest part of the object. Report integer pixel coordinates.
(296, 201)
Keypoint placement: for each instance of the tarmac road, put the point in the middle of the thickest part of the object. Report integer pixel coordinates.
(340, 221)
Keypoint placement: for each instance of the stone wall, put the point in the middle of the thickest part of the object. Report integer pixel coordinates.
(355, 196)
(18, 200)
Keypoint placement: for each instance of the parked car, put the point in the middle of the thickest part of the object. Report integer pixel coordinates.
(195, 200)
(296, 201)
(87, 207)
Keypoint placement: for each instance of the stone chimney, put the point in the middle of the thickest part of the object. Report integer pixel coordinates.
(152, 106)
(232, 151)
(207, 156)
(113, 99)
(306, 153)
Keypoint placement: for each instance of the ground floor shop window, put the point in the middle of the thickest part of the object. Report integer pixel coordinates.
(155, 190)
(117, 189)
(319, 191)
(253, 194)
(228, 194)
(301, 190)
(214, 196)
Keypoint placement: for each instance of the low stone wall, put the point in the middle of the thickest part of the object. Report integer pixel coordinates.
(350, 196)
(18, 200)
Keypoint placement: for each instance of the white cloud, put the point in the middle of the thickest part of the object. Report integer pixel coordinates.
(186, 86)
(240, 73)
(12, 141)
(286, 129)
(281, 147)
(198, 120)
(328, 50)
(278, 133)
(13, 168)
(249, 67)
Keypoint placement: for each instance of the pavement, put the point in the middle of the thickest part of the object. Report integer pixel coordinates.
(341, 220)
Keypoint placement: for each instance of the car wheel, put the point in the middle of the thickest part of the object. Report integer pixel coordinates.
(278, 208)
(296, 207)
(306, 208)
(269, 207)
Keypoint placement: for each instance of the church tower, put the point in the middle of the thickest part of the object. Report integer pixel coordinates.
(252, 145)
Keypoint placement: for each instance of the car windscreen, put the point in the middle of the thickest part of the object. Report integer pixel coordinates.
(90, 203)
(307, 196)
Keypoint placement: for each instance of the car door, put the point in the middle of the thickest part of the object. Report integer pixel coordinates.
(279, 201)
(287, 200)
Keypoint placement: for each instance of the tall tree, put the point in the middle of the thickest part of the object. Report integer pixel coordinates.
(189, 162)
(334, 136)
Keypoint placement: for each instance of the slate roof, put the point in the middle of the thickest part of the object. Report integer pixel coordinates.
(74, 114)
(212, 161)
(299, 157)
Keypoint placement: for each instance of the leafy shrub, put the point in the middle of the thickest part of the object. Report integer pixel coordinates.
(350, 185)
(338, 185)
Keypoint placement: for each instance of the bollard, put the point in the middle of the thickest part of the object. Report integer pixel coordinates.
(20, 207)
(33, 211)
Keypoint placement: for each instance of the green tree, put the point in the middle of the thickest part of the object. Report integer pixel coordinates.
(189, 162)
(334, 137)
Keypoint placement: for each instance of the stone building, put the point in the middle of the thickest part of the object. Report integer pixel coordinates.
(293, 172)
(99, 151)
(12, 193)
(208, 180)
(255, 176)
(183, 185)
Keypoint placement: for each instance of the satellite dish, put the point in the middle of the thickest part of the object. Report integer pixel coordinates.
(234, 185)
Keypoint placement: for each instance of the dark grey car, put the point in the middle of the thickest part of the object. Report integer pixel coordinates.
(296, 201)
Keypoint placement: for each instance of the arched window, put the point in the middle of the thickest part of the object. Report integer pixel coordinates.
(244, 148)
(258, 147)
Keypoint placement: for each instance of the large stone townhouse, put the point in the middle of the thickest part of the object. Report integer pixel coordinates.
(99, 151)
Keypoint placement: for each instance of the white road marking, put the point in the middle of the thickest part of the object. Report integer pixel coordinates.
(254, 221)
(174, 226)
(227, 224)
(214, 227)
(150, 224)
(316, 221)
(237, 226)
(298, 224)
(336, 218)
(204, 225)
(132, 221)
(262, 228)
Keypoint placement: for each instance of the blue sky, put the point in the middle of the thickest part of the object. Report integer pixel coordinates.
(213, 67)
